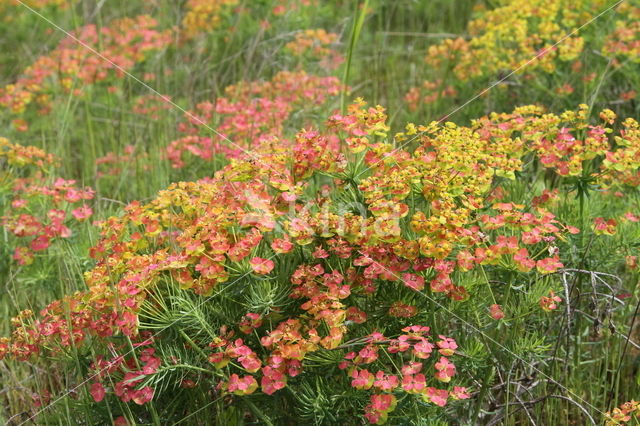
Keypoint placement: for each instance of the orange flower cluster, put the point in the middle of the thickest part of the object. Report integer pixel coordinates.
(21, 156)
(284, 6)
(317, 44)
(125, 43)
(429, 93)
(623, 414)
(624, 42)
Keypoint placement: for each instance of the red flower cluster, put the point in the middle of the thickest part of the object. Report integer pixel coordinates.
(623, 414)
(550, 303)
(251, 113)
(416, 346)
(624, 42)
(25, 217)
(127, 373)
(430, 92)
(125, 43)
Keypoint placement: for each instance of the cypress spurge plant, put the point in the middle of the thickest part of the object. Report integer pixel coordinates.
(269, 287)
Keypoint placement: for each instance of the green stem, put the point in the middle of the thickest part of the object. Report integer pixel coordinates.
(193, 345)
(355, 34)
(483, 392)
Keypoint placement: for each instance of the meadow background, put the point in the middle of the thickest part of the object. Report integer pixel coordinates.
(354, 171)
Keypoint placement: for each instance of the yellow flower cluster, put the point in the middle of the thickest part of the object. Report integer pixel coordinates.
(20, 155)
(512, 35)
(621, 166)
(204, 15)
